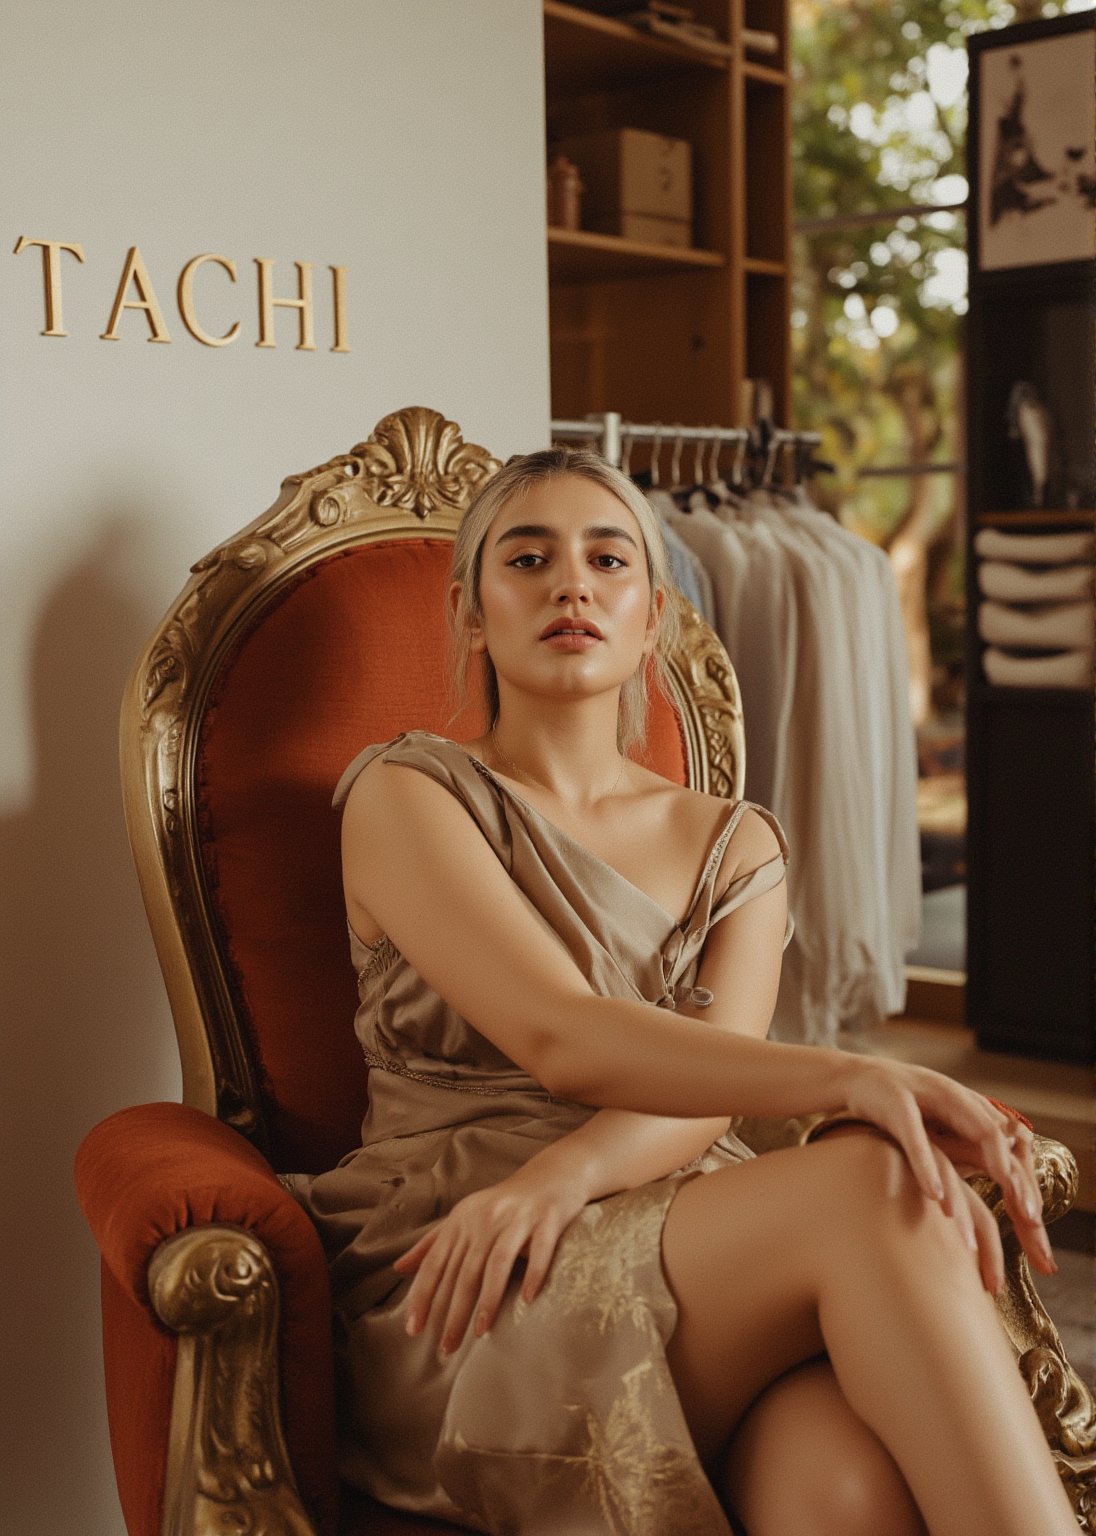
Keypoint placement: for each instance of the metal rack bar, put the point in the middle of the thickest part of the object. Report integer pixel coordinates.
(612, 431)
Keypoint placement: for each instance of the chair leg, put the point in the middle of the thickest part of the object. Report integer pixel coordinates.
(227, 1464)
(1064, 1404)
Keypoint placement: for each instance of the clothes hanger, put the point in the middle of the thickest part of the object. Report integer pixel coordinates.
(676, 486)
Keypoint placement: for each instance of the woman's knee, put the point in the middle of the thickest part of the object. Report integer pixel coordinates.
(803, 1461)
(865, 1495)
(880, 1200)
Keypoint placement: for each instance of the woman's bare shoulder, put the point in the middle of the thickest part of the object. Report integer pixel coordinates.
(696, 813)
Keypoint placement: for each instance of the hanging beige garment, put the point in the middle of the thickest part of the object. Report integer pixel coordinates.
(563, 1419)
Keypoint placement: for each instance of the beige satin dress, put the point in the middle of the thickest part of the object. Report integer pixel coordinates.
(562, 1420)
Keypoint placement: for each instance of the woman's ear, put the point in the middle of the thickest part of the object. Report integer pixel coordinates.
(654, 618)
(474, 629)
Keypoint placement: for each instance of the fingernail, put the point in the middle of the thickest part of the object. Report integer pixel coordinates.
(412, 1324)
(481, 1325)
(972, 1241)
(938, 1191)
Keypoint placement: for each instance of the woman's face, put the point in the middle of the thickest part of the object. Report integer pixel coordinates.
(564, 593)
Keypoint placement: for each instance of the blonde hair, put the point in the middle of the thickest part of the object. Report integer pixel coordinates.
(514, 481)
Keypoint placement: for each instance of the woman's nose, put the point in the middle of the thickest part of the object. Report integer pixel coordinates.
(572, 583)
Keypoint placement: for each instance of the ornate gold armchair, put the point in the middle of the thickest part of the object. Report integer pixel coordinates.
(316, 630)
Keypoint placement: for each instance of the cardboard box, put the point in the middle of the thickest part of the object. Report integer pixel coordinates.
(628, 171)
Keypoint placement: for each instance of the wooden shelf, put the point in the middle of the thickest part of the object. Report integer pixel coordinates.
(659, 332)
(1077, 518)
(763, 74)
(587, 52)
(760, 266)
(579, 255)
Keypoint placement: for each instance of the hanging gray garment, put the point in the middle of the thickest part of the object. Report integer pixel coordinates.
(824, 679)
(690, 574)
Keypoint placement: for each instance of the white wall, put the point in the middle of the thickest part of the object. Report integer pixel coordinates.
(401, 140)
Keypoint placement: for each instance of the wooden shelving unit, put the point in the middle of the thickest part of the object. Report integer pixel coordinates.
(579, 255)
(663, 333)
(587, 52)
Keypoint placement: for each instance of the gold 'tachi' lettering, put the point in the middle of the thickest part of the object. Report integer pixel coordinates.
(51, 276)
(136, 272)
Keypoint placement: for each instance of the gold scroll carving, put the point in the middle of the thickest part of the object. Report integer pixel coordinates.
(228, 1468)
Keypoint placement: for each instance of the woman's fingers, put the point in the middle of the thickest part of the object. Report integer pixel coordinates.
(443, 1292)
(410, 1261)
(481, 1268)
(1027, 1213)
(991, 1257)
(955, 1203)
(975, 1221)
(497, 1274)
(542, 1247)
(909, 1128)
(424, 1287)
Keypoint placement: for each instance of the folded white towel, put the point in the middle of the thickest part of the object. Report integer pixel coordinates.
(1050, 625)
(1067, 669)
(1037, 548)
(1016, 584)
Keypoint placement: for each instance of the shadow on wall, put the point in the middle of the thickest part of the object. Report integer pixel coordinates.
(86, 1032)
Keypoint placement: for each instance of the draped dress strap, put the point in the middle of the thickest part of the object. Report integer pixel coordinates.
(707, 909)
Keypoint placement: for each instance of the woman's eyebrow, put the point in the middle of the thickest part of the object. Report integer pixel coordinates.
(542, 531)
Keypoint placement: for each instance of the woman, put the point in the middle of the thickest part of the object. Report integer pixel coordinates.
(569, 1300)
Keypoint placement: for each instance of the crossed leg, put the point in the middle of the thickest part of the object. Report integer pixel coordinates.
(833, 1248)
(802, 1461)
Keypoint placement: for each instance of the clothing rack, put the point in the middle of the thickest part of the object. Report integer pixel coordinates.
(614, 436)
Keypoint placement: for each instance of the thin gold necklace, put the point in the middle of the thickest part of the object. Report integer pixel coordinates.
(520, 775)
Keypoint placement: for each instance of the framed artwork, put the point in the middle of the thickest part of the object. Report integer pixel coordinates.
(1033, 122)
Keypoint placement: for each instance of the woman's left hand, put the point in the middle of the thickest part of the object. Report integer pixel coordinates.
(1025, 1213)
(464, 1262)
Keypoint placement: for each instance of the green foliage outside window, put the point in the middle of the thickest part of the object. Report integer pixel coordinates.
(879, 111)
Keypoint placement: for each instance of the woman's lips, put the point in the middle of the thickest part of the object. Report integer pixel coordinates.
(572, 640)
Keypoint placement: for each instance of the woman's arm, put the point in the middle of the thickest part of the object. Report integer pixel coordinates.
(415, 862)
(620, 1149)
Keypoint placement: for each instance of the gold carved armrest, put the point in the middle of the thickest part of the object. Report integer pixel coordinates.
(1066, 1408)
(228, 1469)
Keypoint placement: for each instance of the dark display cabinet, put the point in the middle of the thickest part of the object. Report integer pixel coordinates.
(1029, 425)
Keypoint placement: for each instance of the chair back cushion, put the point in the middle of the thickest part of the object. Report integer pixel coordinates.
(311, 658)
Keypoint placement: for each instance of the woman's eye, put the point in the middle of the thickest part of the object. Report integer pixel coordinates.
(620, 564)
(518, 559)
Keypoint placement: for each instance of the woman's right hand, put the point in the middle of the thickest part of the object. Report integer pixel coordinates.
(943, 1127)
(463, 1264)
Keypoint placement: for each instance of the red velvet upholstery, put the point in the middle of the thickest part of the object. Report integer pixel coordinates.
(142, 1175)
(353, 653)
